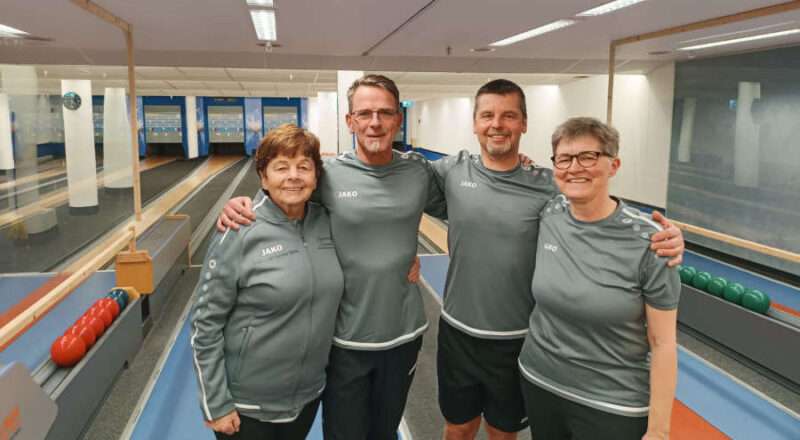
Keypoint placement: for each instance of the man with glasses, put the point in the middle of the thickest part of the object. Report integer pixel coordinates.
(493, 205)
(376, 197)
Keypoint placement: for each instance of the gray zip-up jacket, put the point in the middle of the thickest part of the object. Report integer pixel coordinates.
(265, 313)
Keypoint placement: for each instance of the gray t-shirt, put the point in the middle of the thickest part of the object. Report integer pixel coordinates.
(493, 226)
(587, 339)
(375, 213)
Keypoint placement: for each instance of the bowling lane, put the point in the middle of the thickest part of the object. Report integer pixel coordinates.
(21, 253)
(51, 185)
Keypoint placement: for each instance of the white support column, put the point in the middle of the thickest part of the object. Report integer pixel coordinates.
(21, 85)
(323, 120)
(117, 167)
(746, 143)
(79, 146)
(6, 144)
(43, 120)
(344, 79)
(191, 127)
(687, 130)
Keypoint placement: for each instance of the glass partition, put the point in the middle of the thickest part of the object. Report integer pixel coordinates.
(65, 145)
(735, 157)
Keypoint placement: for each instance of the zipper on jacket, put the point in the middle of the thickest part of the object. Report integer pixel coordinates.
(310, 327)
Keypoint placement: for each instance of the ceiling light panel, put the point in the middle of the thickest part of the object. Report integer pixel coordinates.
(742, 40)
(264, 22)
(608, 8)
(535, 32)
(10, 32)
(261, 3)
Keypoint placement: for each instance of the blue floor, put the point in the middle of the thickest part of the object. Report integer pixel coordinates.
(173, 409)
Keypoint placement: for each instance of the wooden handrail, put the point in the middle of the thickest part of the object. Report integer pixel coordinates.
(739, 242)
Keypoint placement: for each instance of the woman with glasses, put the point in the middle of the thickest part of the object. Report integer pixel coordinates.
(600, 357)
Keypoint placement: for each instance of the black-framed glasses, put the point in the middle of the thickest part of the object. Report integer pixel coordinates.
(586, 159)
(366, 115)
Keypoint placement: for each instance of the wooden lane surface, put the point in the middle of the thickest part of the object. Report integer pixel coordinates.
(105, 250)
(434, 232)
(59, 197)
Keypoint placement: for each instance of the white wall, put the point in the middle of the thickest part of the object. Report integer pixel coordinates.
(323, 120)
(545, 105)
(642, 114)
(443, 125)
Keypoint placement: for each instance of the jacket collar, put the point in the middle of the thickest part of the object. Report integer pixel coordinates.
(264, 206)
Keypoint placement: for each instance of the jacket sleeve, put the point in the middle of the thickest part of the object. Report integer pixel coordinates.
(215, 297)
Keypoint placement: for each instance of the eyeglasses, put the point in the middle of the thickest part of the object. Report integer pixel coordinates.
(366, 115)
(586, 159)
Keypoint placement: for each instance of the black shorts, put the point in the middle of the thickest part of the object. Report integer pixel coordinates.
(554, 417)
(479, 377)
(254, 429)
(366, 391)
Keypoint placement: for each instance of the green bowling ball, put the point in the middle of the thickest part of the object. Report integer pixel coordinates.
(755, 300)
(120, 296)
(687, 273)
(733, 292)
(124, 294)
(716, 286)
(701, 280)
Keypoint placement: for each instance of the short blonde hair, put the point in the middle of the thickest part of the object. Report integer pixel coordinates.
(572, 128)
(288, 140)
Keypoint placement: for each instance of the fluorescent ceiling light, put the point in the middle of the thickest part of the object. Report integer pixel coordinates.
(10, 32)
(535, 32)
(741, 40)
(261, 3)
(264, 22)
(608, 7)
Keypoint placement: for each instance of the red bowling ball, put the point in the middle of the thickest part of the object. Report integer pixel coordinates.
(95, 322)
(85, 332)
(111, 305)
(101, 312)
(67, 350)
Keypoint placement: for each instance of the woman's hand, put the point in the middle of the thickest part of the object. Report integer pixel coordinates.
(227, 424)
(669, 242)
(238, 211)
